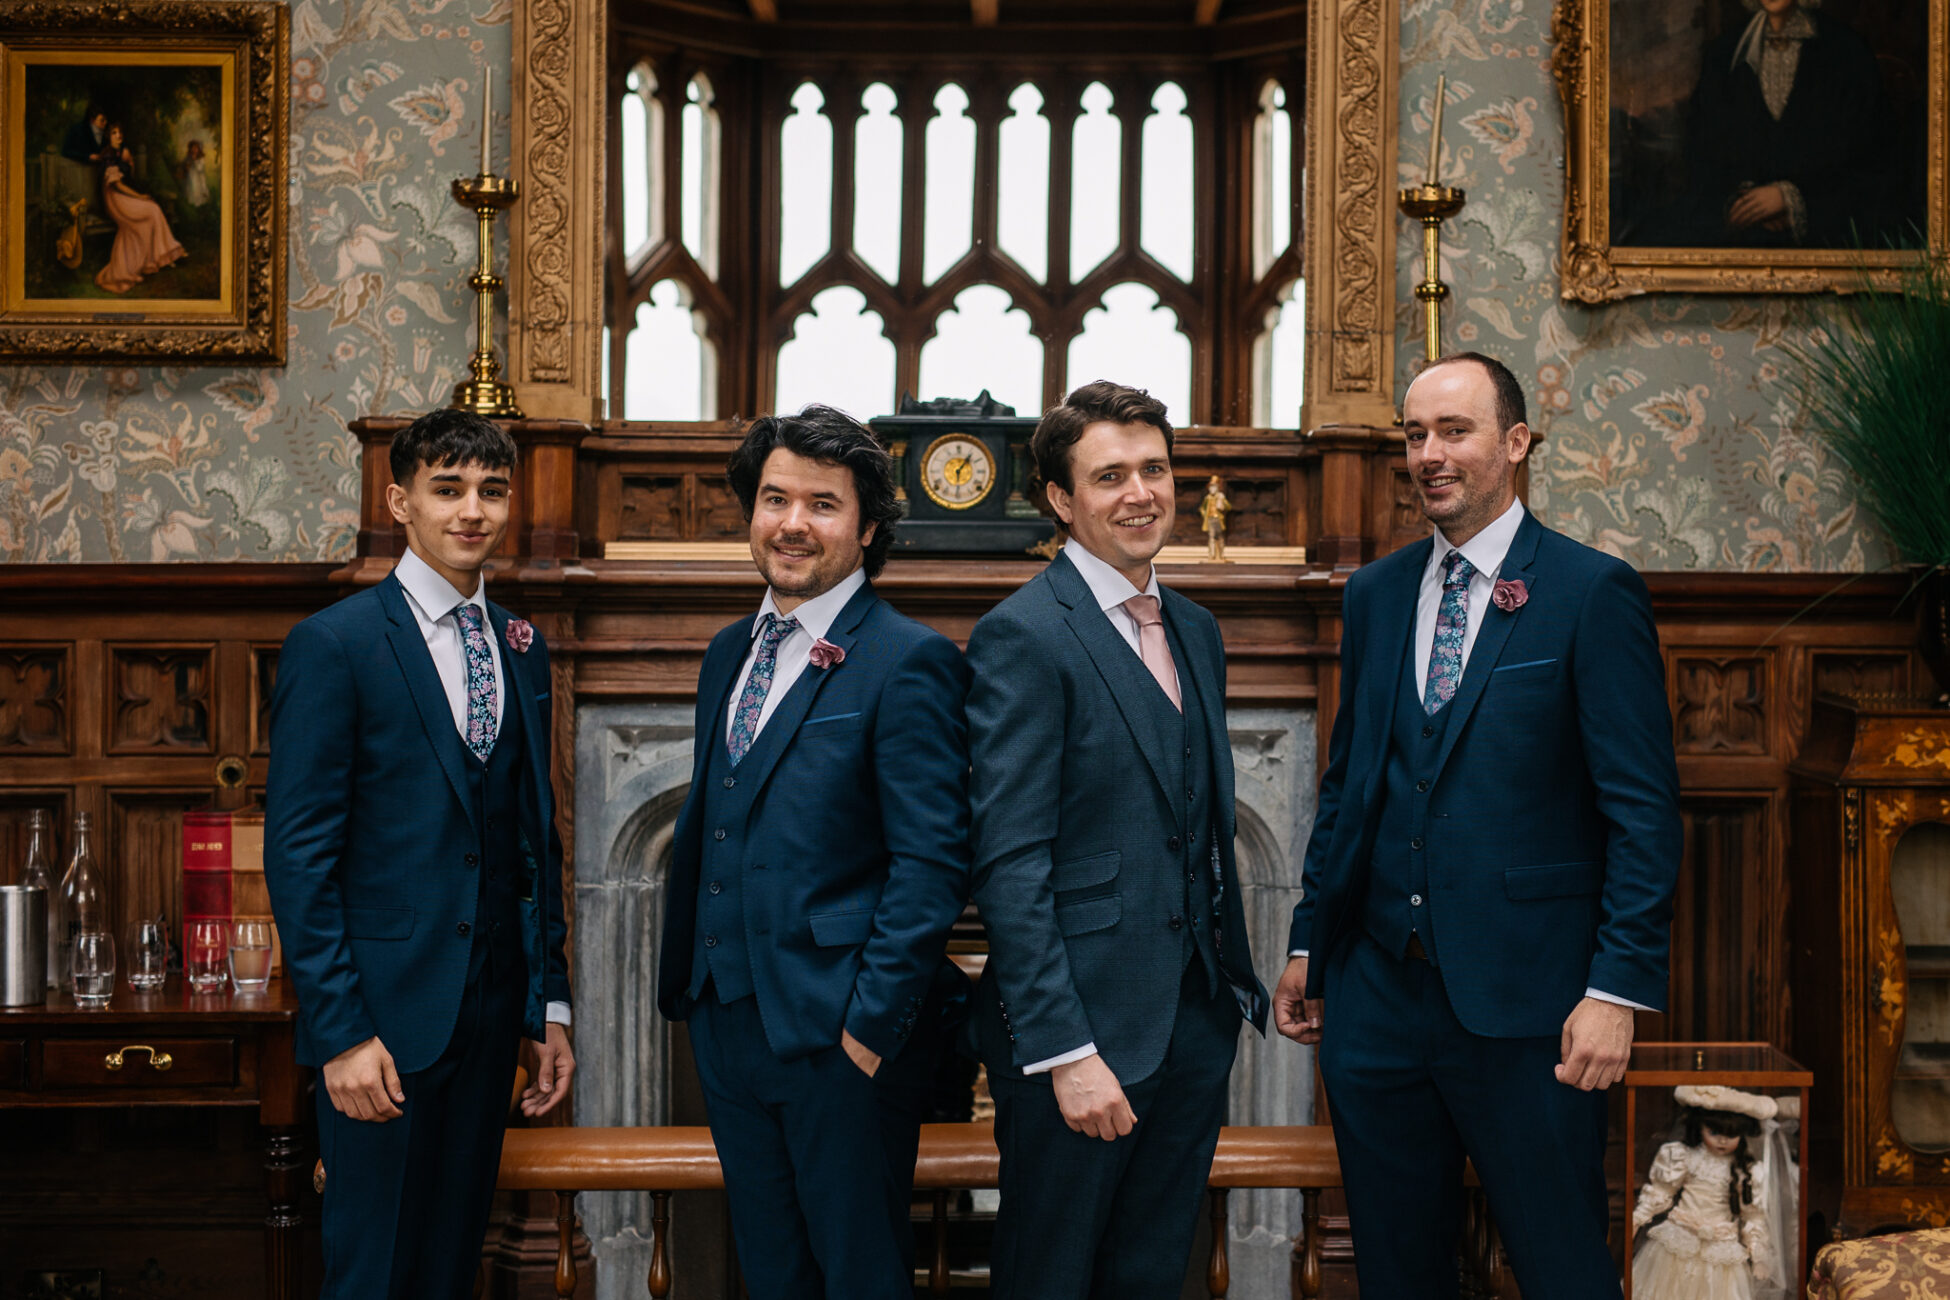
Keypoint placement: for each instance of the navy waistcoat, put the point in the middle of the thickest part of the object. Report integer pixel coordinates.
(495, 786)
(718, 944)
(1398, 880)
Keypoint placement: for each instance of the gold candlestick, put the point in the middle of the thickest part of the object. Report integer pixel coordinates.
(485, 393)
(1431, 204)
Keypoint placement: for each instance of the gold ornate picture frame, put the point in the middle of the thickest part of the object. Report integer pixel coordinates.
(1674, 108)
(142, 180)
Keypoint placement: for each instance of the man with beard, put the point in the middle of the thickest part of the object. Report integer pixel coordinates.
(1488, 887)
(819, 861)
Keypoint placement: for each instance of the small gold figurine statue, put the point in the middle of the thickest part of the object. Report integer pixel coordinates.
(1212, 511)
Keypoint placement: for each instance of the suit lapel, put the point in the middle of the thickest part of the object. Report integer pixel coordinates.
(521, 696)
(792, 710)
(1394, 626)
(714, 685)
(423, 683)
(1124, 674)
(1204, 687)
(1490, 640)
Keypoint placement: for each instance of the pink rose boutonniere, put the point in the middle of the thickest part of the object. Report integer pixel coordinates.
(825, 654)
(521, 635)
(1509, 594)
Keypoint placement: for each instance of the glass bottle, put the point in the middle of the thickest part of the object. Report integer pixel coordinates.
(84, 905)
(39, 874)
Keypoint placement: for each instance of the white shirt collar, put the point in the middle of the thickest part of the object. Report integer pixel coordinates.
(1110, 587)
(434, 595)
(816, 615)
(1486, 550)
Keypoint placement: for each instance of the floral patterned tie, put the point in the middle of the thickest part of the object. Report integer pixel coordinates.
(483, 719)
(1451, 621)
(751, 701)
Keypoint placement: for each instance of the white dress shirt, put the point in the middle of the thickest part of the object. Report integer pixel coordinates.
(1485, 553)
(433, 601)
(815, 621)
(1110, 589)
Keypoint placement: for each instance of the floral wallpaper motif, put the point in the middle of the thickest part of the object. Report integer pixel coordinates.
(1674, 436)
(137, 464)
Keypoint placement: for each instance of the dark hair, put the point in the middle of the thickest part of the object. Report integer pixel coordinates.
(833, 438)
(446, 437)
(1725, 1123)
(1510, 410)
(1061, 426)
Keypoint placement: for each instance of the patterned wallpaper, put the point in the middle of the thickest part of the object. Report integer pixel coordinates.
(142, 463)
(1674, 437)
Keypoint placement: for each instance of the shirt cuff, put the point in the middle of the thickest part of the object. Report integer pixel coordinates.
(1044, 1067)
(1298, 952)
(558, 1014)
(1615, 1000)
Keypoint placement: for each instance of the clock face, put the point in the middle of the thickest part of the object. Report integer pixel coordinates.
(957, 471)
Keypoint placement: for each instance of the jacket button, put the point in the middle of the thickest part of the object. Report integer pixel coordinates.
(730, 781)
(710, 941)
(1172, 844)
(1427, 732)
(1414, 900)
(472, 860)
(1421, 787)
(718, 834)
(463, 929)
(717, 887)
(1415, 843)
(1176, 923)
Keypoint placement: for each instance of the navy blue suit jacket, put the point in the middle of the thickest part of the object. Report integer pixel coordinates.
(371, 845)
(1078, 866)
(861, 821)
(1554, 831)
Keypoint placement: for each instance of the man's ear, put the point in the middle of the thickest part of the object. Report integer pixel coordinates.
(396, 501)
(866, 538)
(1519, 438)
(1059, 501)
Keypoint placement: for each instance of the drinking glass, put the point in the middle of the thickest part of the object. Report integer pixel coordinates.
(250, 955)
(148, 956)
(94, 968)
(203, 960)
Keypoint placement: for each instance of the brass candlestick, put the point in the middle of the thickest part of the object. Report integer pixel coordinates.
(1432, 205)
(485, 394)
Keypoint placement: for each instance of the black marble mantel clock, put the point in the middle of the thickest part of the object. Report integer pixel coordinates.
(965, 471)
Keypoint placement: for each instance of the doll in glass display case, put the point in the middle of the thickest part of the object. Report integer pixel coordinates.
(1716, 1201)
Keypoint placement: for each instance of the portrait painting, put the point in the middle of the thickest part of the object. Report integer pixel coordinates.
(1750, 145)
(142, 184)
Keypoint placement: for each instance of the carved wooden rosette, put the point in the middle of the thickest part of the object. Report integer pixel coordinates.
(555, 258)
(257, 33)
(1595, 271)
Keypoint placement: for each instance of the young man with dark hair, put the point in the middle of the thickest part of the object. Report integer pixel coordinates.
(1102, 794)
(415, 871)
(818, 863)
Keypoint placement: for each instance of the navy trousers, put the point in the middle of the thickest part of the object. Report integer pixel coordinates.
(818, 1158)
(1412, 1093)
(406, 1201)
(1086, 1219)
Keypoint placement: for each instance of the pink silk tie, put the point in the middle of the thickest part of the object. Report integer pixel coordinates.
(1152, 647)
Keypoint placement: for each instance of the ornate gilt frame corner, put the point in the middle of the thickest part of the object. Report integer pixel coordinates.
(1353, 57)
(259, 31)
(1593, 271)
(555, 237)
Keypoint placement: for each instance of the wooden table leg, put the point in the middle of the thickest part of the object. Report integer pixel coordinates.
(282, 1166)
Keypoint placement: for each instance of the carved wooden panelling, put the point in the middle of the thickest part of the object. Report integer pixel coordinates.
(34, 699)
(143, 852)
(1720, 705)
(653, 509)
(1873, 674)
(161, 700)
(264, 680)
(716, 515)
(1257, 516)
(1729, 960)
(16, 806)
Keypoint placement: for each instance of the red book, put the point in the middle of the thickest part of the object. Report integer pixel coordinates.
(206, 869)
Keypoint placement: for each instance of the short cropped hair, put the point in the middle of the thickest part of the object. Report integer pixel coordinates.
(1510, 408)
(446, 437)
(831, 437)
(1057, 432)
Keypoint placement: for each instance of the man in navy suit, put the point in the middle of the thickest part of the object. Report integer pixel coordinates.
(819, 861)
(416, 875)
(1118, 970)
(1488, 888)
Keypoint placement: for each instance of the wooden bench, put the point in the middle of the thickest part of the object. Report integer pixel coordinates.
(952, 1157)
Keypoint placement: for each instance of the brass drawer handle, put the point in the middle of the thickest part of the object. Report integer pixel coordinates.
(157, 1060)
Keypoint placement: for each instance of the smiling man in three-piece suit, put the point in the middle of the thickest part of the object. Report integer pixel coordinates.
(1488, 887)
(819, 861)
(416, 876)
(1102, 788)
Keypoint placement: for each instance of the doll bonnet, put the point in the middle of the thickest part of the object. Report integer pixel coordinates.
(1713, 1096)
